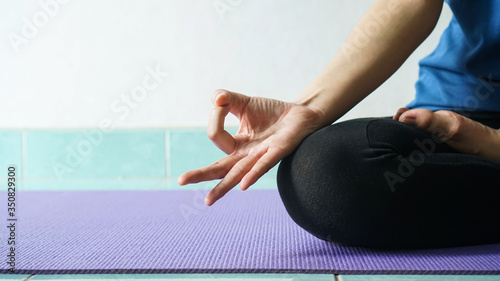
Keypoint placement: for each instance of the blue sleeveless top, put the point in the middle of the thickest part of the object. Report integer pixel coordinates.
(463, 72)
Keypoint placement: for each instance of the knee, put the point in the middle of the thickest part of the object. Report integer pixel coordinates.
(325, 187)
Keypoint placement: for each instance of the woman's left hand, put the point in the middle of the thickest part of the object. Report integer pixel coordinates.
(459, 132)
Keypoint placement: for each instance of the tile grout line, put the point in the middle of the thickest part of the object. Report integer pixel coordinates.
(167, 153)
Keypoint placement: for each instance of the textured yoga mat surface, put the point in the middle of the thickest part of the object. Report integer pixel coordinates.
(174, 232)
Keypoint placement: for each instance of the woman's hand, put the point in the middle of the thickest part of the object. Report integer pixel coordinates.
(459, 132)
(269, 130)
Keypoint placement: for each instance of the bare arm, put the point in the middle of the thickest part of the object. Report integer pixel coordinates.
(379, 44)
(271, 129)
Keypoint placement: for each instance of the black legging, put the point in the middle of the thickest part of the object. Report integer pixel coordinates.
(381, 183)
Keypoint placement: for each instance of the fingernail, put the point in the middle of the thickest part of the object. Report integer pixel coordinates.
(206, 201)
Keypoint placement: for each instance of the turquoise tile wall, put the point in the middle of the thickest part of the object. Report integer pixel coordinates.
(191, 149)
(10, 152)
(94, 154)
(120, 159)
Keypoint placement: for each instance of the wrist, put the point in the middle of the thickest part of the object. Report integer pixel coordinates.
(319, 115)
(323, 103)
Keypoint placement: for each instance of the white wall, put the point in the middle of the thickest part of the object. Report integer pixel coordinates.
(70, 65)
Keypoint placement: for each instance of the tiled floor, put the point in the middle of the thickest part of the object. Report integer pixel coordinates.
(252, 277)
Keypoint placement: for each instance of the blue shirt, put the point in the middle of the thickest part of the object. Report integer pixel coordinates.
(463, 72)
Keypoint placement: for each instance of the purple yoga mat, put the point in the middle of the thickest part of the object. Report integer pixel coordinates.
(174, 232)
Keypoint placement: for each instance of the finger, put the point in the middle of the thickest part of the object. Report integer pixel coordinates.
(399, 112)
(214, 171)
(231, 179)
(224, 102)
(410, 117)
(460, 132)
(421, 118)
(263, 165)
(465, 134)
(236, 101)
(444, 124)
(215, 131)
(218, 97)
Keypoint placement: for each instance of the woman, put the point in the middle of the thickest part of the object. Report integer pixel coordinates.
(428, 177)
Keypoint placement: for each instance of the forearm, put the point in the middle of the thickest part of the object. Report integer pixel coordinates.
(381, 41)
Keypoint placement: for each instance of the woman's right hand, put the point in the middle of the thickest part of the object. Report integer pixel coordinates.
(269, 130)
